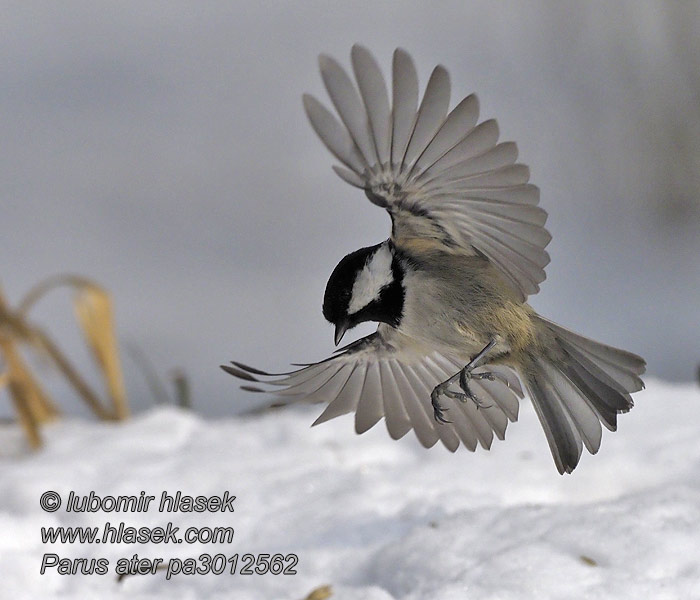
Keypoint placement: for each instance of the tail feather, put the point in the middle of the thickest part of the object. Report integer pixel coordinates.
(564, 442)
(606, 401)
(580, 385)
(577, 407)
(622, 367)
(614, 356)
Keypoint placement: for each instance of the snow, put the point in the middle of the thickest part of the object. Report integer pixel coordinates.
(373, 518)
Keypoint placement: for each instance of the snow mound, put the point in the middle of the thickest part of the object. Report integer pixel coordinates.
(374, 518)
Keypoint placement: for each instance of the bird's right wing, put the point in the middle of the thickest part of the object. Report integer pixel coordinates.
(444, 179)
(383, 376)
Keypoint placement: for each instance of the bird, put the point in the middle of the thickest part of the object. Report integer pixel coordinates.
(456, 340)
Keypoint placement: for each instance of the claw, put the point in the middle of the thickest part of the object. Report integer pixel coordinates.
(439, 417)
(437, 409)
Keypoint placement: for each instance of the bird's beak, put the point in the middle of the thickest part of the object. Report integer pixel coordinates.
(340, 330)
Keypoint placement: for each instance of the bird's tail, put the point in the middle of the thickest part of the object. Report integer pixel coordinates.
(577, 387)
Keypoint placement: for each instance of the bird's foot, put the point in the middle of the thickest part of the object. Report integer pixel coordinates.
(443, 389)
(438, 409)
(465, 375)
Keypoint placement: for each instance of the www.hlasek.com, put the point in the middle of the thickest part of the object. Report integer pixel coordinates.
(118, 532)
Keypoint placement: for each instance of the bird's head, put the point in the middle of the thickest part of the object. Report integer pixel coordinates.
(367, 285)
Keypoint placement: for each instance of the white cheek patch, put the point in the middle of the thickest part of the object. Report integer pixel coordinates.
(375, 275)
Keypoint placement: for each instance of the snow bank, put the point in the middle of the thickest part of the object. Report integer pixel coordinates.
(376, 519)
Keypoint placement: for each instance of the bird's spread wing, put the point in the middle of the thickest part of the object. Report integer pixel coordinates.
(443, 178)
(377, 377)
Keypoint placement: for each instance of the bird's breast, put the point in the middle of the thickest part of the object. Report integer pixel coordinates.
(459, 308)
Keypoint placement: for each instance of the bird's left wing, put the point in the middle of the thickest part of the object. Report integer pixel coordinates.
(443, 179)
(379, 376)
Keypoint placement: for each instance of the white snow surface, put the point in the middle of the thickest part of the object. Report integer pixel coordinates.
(373, 518)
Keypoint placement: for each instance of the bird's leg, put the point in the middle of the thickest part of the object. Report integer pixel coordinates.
(466, 374)
(463, 376)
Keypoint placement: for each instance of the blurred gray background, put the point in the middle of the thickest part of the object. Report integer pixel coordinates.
(161, 149)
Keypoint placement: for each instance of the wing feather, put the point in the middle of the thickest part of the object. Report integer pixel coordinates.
(335, 385)
(369, 407)
(397, 420)
(507, 176)
(479, 140)
(385, 375)
(425, 372)
(482, 206)
(461, 119)
(335, 137)
(424, 164)
(465, 429)
(302, 377)
(503, 398)
(431, 113)
(508, 377)
(529, 254)
(405, 100)
(492, 412)
(349, 176)
(423, 425)
(349, 106)
(525, 232)
(502, 155)
(310, 385)
(483, 430)
(374, 94)
(348, 397)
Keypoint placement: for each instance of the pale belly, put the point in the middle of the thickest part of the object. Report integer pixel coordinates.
(457, 304)
(442, 317)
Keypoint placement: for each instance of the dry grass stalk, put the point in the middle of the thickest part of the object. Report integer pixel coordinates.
(320, 593)
(93, 308)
